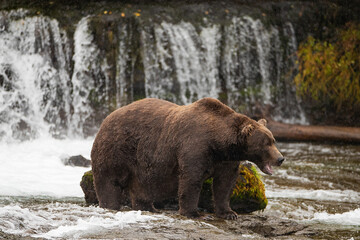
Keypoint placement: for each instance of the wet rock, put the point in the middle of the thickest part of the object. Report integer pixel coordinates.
(265, 226)
(8, 236)
(248, 194)
(77, 161)
(87, 185)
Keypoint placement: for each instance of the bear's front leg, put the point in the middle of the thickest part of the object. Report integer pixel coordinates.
(223, 184)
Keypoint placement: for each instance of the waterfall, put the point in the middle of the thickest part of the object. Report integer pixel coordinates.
(34, 77)
(86, 72)
(187, 62)
(50, 86)
(258, 69)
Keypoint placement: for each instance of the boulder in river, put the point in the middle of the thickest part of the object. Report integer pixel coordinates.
(77, 161)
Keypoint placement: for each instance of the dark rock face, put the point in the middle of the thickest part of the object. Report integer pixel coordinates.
(77, 161)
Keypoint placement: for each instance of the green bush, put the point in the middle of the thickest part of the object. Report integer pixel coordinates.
(329, 71)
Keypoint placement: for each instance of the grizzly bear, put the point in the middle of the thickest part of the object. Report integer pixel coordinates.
(151, 150)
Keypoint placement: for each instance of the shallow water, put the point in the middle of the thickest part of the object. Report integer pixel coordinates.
(317, 187)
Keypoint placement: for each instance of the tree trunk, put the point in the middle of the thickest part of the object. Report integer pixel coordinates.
(291, 132)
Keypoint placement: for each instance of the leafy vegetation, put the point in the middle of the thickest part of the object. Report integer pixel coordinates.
(329, 72)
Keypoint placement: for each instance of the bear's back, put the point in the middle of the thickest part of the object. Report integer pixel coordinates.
(214, 106)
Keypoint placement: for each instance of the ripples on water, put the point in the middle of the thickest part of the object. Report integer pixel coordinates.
(318, 185)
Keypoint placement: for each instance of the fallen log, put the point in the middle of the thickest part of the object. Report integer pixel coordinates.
(293, 132)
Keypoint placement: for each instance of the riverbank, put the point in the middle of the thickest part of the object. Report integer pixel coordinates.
(313, 195)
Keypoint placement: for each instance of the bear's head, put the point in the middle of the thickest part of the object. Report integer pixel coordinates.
(260, 146)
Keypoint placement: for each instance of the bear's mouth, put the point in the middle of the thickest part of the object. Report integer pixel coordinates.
(267, 169)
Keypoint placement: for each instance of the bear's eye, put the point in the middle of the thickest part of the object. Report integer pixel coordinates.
(270, 141)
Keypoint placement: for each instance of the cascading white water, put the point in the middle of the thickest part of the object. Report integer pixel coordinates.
(85, 62)
(183, 64)
(294, 113)
(187, 62)
(121, 91)
(34, 97)
(246, 61)
(190, 52)
(256, 67)
(242, 62)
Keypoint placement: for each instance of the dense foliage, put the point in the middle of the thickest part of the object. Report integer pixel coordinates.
(329, 72)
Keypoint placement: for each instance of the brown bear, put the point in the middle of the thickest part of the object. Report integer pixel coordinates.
(152, 150)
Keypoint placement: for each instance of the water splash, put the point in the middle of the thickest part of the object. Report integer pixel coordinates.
(34, 76)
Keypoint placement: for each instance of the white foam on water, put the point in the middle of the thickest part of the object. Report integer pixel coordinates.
(71, 221)
(98, 224)
(35, 167)
(64, 220)
(319, 194)
(17, 220)
(347, 218)
(283, 173)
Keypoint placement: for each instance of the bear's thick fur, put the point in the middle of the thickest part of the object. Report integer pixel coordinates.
(152, 150)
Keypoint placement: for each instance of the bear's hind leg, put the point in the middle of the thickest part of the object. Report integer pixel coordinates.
(110, 194)
(140, 198)
(143, 205)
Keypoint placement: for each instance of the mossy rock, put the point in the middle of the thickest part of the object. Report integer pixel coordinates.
(87, 185)
(248, 194)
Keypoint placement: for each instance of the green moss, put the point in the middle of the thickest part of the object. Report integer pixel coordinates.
(87, 185)
(88, 175)
(249, 192)
(88, 179)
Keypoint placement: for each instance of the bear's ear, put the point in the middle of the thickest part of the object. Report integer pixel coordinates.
(247, 130)
(262, 122)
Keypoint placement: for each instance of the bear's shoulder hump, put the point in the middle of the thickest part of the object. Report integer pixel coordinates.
(215, 106)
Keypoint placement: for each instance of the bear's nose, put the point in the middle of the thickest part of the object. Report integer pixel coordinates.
(281, 160)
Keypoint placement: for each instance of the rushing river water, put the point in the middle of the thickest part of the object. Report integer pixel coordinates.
(317, 187)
